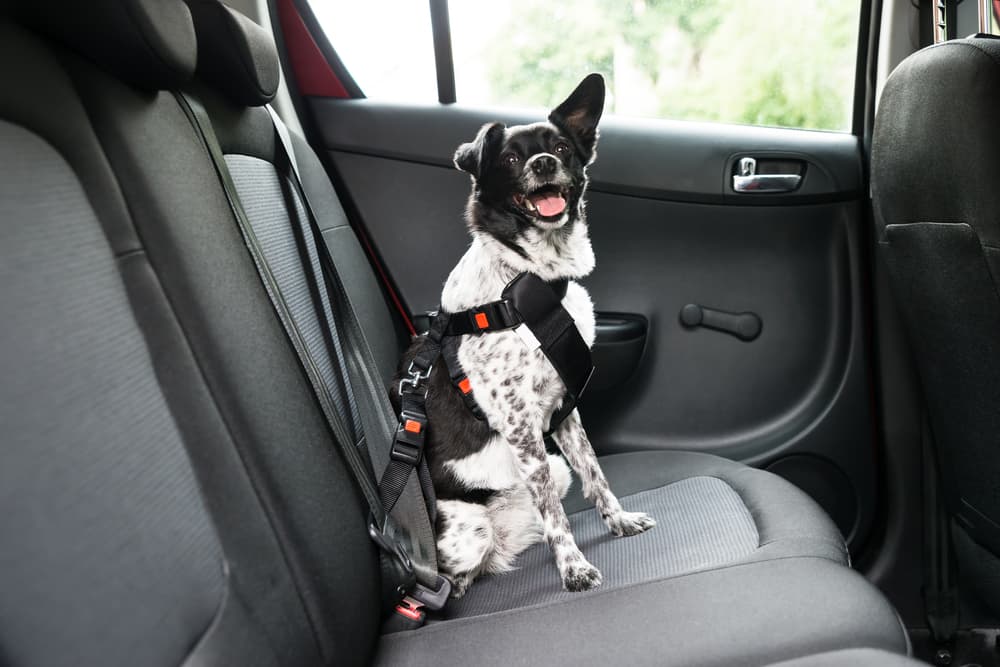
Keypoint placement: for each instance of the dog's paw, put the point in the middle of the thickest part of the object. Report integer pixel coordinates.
(624, 524)
(581, 576)
(459, 585)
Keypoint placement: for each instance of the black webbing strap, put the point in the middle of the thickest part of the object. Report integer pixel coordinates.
(940, 588)
(492, 316)
(199, 119)
(498, 315)
(541, 309)
(413, 525)
(407, 451)
(449, 354)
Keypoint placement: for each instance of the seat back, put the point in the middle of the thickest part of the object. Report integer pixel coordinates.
(936, 194)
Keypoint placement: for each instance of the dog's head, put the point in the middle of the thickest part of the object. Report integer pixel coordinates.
(534, 176)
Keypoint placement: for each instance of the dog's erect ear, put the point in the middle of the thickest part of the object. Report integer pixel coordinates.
(475, 155)
(579, 114)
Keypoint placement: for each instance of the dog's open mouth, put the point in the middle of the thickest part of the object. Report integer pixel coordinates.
(547, 202)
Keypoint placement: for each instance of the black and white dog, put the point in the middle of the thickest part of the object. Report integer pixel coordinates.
(498, 490)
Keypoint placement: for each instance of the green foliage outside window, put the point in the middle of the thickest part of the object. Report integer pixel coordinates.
(786, 63)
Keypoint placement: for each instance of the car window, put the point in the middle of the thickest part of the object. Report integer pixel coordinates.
(788, 63)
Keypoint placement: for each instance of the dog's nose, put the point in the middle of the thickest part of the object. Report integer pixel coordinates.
(543, 165)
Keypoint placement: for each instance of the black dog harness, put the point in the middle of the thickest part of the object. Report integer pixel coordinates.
(527, 300)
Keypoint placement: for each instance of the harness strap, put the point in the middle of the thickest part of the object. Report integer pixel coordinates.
(530, 301)
(449, 352)
(541, 309)
(407, 451)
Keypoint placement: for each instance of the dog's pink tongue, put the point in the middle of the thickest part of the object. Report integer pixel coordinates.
(549, 205)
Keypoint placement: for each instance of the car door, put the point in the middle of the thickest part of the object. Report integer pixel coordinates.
(732, 259)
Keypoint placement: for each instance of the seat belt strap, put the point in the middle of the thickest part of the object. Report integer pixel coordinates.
(398, 572)
(199, 119)
(940, 590)
(413, 519)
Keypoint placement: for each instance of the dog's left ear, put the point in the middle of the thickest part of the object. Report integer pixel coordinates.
(579, 114)
(474, 156)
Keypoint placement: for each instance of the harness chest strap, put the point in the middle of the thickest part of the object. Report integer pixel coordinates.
(537, 305)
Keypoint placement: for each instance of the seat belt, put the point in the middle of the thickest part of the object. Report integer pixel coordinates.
(398, 571)
(940, 590)
(414, 516)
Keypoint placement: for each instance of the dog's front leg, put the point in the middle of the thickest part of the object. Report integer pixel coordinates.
(575, 445)
(525, 438)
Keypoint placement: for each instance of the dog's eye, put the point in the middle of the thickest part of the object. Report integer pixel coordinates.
(510, 159)
(561, 149)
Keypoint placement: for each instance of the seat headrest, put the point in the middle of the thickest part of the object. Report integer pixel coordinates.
(235, 55)
(934, 147)
(148, 43)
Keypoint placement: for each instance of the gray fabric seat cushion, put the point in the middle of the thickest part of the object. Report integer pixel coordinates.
(735, 550)
(745, 614)
(860, 657)
(788, 521)
(710, 512)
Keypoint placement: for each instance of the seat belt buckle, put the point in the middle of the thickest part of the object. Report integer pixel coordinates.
(432, 599)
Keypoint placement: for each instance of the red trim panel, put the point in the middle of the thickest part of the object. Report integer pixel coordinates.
(312, 73)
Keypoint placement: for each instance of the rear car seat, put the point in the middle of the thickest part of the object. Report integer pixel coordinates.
(174, 493)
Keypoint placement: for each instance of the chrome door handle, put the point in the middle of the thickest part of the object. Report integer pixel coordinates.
(748, 180)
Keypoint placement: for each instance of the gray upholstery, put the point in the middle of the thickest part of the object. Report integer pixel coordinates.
(748, 614)
(935, 169)
(243, 64)
(108, 555)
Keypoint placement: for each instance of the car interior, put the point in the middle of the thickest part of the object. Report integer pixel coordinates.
(214, 248)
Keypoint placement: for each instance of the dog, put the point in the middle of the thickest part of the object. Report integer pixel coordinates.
(498, 491)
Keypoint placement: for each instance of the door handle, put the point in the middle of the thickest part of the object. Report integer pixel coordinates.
(745, 326)
(747, 180)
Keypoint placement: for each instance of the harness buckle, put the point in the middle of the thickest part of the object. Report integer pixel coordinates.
(480, 320)
(408, 445)
(415, 377)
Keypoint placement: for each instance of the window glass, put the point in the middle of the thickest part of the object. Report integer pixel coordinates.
(788, 63)
(386, 45)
